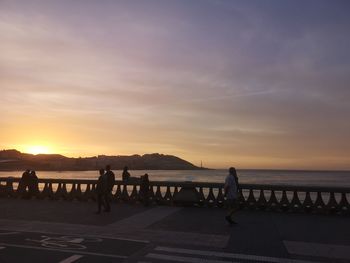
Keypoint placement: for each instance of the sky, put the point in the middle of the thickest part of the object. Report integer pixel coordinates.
(250, 84)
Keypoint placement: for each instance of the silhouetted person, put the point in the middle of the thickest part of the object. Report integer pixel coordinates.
(144, 190)
(231, 193)
(101, 190)
(126, 174)
(110, 183)
(33, 184)
(24, 184)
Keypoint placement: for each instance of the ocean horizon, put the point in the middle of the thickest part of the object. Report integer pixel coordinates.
(248, 176)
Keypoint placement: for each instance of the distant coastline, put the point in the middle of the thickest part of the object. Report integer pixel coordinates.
(13, 160)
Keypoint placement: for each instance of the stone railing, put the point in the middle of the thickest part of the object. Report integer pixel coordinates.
(285, 198)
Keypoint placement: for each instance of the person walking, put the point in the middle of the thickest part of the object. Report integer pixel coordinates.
(231, 192)
(110, 183)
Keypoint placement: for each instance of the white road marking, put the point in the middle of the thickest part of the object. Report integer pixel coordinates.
(71, 259)
(183, 259)
(319, 250)
(229, 255)
(64, 250)
(2, 247)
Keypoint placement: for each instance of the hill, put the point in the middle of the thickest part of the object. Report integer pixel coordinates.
(15, 160)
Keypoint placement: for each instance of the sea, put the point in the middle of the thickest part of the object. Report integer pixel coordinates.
(273, 177)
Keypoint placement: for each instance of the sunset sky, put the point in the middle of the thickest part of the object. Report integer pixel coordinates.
(251, 84)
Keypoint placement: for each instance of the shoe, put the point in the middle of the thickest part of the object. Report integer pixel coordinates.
(97, 212)
(107, 210)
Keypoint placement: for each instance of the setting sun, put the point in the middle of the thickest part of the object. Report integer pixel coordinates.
(37, 149)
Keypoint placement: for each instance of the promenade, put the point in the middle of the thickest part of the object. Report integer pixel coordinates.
(69, 231)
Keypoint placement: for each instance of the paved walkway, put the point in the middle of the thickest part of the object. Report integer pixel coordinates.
(61, 231)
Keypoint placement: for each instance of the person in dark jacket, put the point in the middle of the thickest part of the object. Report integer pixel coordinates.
(126, 174)
(23, 184)
(110, 183)
(101, 189)
(144, 190)
(33, 184)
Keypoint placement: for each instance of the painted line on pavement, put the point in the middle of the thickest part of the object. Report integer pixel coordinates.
(184, 259)
(2, 247)
(66, 251)
(229, 255)
(71, 259)
(317, 249)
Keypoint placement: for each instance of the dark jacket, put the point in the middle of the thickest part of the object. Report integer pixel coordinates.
(110, 180)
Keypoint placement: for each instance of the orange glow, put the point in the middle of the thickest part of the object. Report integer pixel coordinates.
(37, 149)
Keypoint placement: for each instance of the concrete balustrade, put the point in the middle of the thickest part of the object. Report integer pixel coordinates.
(285, 198)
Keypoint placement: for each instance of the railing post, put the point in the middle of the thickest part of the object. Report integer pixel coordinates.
(272, 203)
(118, 194)
(220, 200)
(284, 203)
(332, 205)
(210, 198)
(241, 200)
(72, 193)
(125, 194)
(152, 196)
(307, 204)
(262, 200)
(158, 195)
(296, 205)
(319, 204)
(47, 191)
(201, 197)
(168, 198)
(251, 202)
(134, 197)
(88, 193)
(344, 206)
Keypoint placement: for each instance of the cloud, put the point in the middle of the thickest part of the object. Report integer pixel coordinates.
(215, 77)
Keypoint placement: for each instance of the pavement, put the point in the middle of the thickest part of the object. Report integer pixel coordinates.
(64, 231)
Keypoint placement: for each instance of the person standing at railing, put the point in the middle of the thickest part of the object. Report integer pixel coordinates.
(144, 190)
(101, 189)
(23, 184)
(110, 183)
(231, 193)
(125, 174)
(33, 184)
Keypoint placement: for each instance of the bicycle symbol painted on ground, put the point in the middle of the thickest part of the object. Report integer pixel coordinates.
(64, 242)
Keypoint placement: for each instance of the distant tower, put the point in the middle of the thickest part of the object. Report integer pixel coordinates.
(201, 164)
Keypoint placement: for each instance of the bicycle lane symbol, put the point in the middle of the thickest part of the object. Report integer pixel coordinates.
(64, 242)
